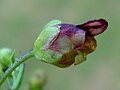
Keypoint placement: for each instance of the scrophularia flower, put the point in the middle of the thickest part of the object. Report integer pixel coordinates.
(63, 44)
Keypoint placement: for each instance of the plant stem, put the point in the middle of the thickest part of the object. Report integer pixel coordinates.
(17, 62)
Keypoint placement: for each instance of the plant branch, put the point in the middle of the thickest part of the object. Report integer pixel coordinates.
(17, 62)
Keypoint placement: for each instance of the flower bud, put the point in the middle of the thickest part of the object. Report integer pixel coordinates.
(38, 80)
(63, 44)
(6, 57)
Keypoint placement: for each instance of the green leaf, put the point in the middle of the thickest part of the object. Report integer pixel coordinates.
(14, 80)
(1, 70)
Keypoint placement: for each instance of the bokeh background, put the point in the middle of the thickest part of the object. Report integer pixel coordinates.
(21, 21)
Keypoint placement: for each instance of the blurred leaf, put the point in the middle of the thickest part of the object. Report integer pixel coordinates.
(14, 80)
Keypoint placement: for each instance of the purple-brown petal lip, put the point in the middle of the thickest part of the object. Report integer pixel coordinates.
(68, 29)
(94, 27)
(76, 35)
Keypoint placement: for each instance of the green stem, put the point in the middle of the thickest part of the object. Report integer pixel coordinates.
(17, 62)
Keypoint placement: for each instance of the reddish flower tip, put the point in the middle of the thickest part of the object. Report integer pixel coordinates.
(94, 27)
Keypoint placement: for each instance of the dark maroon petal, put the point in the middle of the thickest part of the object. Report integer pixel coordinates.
(94, 27)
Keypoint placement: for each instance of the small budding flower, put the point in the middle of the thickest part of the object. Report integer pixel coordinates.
(37, 80)
(6, 58)
(64, 44)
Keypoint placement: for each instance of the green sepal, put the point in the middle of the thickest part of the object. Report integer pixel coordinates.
(46, 35)
(41, 51)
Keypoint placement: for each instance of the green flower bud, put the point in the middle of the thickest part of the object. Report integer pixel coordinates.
(6, 57)
(64, 44)
(38, 80)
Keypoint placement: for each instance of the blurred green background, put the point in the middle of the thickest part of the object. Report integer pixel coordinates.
(21, 22)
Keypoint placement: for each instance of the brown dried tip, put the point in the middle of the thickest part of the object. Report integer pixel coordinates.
(94, 27)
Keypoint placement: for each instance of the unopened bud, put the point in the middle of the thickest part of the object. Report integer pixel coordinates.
(63, 44)
(38, 80)
(6, 57)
